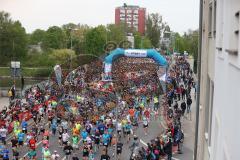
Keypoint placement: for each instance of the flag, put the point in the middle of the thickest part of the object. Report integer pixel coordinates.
(58, 73)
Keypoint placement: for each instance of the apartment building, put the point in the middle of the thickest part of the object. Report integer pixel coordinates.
(132, 16)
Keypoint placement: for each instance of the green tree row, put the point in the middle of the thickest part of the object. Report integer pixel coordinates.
(187, 42)
(82, 39)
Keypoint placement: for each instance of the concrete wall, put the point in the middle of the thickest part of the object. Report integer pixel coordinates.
(220, 87)
(225, 128)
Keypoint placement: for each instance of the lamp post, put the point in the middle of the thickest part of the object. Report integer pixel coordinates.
(71, 46)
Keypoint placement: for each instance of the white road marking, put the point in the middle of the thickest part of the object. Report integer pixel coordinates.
(39, 143)
(141, 141)
(64, 158)
(25, 155)
(175, 158)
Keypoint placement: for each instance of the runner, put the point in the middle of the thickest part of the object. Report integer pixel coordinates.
(145, 125)
(68, 150)
(55, 156)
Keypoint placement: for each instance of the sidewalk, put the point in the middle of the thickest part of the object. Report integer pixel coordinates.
(3, 102)
(188, 127)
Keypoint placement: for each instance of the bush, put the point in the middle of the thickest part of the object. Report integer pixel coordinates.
(28, 72)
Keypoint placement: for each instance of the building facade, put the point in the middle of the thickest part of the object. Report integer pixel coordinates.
(219, 129)
(131, 16)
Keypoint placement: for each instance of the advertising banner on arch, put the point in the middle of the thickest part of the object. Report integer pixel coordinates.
(135, 53)
(107, 67)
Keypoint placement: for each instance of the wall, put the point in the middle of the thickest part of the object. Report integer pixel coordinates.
(141, 20)
(220, 88)
(225, 129)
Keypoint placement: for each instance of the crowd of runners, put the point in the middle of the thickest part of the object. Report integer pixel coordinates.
(78, 121)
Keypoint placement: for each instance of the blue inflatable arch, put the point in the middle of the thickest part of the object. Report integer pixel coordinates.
(138, 53)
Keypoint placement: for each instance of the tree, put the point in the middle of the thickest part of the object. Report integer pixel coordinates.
(137, 40)
(95, 40)
(68, 29)
(55, 38)
(78, 39)
(189, 43)
(116, 33)
(75, 34)
(146, 43)
(13, 38)
(62, 56)
(180, 45)
(37, 36)
(141, 41)
(154, 28)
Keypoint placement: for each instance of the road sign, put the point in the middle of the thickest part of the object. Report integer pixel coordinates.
(15, 69)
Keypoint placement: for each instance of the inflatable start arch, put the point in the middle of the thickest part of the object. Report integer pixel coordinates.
(136, 53)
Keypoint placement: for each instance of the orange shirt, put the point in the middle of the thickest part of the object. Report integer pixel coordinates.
(131, 112)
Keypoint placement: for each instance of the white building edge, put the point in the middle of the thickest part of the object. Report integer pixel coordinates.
(219, 116)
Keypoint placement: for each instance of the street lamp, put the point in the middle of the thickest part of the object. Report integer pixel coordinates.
(71, 47)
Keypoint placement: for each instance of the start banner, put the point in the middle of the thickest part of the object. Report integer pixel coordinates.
(135, 53)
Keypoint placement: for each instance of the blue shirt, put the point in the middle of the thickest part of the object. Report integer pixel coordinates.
(84, 134)
(101, 127)
(21, 137)
(53, 125)
(110, 130)
(128, 127)
(106, 138)
(24, 124)
(5, 153)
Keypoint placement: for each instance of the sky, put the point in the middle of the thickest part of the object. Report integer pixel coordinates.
(181, 15)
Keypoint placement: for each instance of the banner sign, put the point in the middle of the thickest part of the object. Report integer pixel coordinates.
(163, 78)
(135, 53)
(58, 73)
(108, 67)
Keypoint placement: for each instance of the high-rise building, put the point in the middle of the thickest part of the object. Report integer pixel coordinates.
(219, 108)
(133, 17)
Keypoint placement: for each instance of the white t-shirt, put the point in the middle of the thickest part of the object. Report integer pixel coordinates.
(145, 122)
(119, 126)
(55, 156)
(65, 137)
(3, 132)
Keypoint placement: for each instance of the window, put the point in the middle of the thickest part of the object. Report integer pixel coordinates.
(207, 106)
(209, 109)
(216, 135)
(210, 20)
(220, 13)
(215, 18)
(122, 11)
(210, 114)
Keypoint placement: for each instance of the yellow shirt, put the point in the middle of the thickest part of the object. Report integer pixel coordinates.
(78, 126)
(124, 122)
(155, 100)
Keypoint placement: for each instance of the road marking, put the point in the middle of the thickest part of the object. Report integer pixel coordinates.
(141, 141)
(25, 155)
(39, 143)
(64, 158)
(175, 158)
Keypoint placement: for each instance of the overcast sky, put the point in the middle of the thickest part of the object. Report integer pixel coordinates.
(181, 15)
